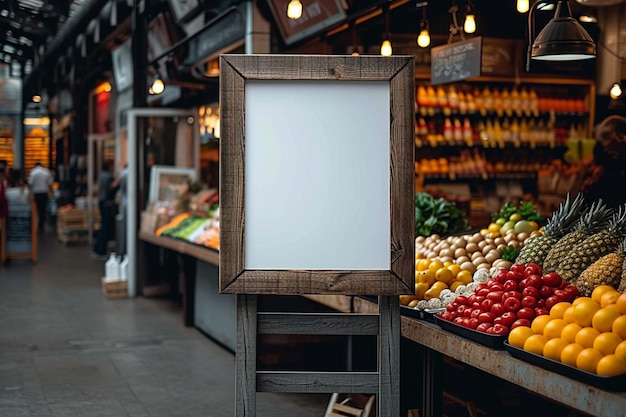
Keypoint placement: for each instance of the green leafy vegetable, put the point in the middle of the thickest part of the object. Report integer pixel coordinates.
(437, 216)
(509, 253)
(527, 210)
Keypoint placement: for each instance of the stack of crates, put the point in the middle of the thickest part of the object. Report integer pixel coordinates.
(72, 226)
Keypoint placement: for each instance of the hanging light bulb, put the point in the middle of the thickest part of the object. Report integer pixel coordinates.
(385, 48)
(470, 24)
(423, 39)
(616, 91)
(470, 18)
(523, 6)
(157, 85)
(294, 9)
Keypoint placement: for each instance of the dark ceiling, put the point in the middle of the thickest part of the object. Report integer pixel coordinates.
(28, 24)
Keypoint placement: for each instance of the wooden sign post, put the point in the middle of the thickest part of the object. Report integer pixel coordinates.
(316, 197)
(19, 233)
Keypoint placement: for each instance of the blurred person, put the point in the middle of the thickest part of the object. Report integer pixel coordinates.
(18, 191)
(106, 205)
(606, 177)
(40, 181)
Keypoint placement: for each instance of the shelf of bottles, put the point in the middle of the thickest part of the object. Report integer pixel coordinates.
(37, 149)
(6, 150)
(490, 131)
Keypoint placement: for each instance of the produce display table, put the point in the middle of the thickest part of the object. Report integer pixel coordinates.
(197, 261)
(572, 393)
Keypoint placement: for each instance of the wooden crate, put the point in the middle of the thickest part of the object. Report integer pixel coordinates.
(114, 288)
(70, 220)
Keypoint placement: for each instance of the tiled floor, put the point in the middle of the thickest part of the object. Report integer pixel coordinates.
(66, 351)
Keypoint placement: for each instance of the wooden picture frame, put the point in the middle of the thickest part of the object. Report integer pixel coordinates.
(385, 84)
(162, 174)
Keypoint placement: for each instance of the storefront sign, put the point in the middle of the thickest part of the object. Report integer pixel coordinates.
(456, 61)
(19, 230)
(10, 95)
(227, 30)
(18, 238)
(316, 16)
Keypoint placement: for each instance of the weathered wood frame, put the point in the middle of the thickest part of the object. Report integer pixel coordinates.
(236, 70)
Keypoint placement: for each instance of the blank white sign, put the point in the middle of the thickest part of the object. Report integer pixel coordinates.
(317, 175)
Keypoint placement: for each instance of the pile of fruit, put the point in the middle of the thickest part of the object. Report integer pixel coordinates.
(522, 219)
(444, 267)
(585, 246)
(512, 298)
(588, 333)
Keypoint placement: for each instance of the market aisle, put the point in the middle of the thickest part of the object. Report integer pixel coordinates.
(67, 351)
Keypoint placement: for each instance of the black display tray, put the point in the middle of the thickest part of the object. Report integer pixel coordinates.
(419, 314)
(607, 383)
(490, 340)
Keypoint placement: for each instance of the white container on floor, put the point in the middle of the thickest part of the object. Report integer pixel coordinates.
(124, 268)
(112, 267)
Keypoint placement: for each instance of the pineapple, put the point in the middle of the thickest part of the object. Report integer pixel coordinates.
(594, 247)
(608, 270)
(562, 221)
(622, 284)
(591, 222)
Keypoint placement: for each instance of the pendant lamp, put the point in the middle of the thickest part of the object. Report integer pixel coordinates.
(562, 39)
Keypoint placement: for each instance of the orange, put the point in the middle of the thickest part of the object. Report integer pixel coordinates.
(518, 336)
(586, 336)
(420, 289)
(422, 264)
(621, 303)
(539, 323)
(406, 299)
(584, 311)
(570, 331)
(557, 310)
(455, 269)
(606, 343)
(597, 292)
(588, 359)
(603, 320)
(464, 276)
(609, 297)
(611, 365)
(447, 264)
(578, 300)
(535, 343)
(568, 315)
(553, 328)
(553, 348)
(444, 275)
(570, 353)
(620, 350)
(435, 264)
(426, 276)
(619, 326)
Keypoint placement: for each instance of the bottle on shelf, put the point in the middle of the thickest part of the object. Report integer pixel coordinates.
(468, 132)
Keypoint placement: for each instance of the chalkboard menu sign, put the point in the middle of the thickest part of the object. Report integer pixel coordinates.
(455, 61)
(19, 237)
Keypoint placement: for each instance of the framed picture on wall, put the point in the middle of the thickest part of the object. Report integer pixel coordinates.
(168, 183)
(183, 10)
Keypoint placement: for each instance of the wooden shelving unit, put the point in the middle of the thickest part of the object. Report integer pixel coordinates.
(6, 150)
(37, 149)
